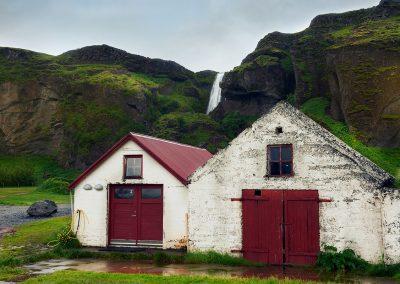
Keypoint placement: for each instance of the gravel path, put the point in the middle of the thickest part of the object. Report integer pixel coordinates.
(11, 216)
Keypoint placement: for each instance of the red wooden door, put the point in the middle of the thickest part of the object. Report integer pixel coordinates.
(123, 213)
(151, 213)
(280, 226)
(136, 213)
(262, 220)
(301, 226)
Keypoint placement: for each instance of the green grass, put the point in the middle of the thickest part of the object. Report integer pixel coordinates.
(96, 277)
(28, 170)
(387, 158)
(29, 195)
(30, 240)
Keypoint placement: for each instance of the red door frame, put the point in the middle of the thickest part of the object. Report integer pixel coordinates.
(286, 196)
(136, 188)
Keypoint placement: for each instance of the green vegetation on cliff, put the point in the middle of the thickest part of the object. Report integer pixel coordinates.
(377, 33)
(387, 158)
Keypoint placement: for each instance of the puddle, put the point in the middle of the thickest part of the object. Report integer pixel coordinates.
(129, 267)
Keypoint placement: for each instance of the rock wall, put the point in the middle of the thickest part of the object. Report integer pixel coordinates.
(322, 162)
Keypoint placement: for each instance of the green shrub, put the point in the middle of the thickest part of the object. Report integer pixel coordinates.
(331, 260)
(162, 258)
(19, 175)
(234, 123)
(10, 261)
(66, 239)
(54, 185)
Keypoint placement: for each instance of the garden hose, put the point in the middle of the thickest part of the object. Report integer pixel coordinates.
(67, 235)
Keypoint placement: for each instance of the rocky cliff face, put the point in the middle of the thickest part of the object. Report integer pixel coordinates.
(62, 106)
(350, 58)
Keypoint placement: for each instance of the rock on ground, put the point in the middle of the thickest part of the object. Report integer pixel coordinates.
(42, 208)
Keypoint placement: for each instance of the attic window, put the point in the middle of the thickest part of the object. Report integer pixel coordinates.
(257, 192)
(279, 130)
(280, 160)
(133, 166)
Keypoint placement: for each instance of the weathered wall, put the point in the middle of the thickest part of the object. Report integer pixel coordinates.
(391, 224)
(322, 162)
(94, 204)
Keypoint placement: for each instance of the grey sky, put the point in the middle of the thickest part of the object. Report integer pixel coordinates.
(199, 34)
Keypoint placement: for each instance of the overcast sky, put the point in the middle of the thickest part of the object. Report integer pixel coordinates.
(199, 34)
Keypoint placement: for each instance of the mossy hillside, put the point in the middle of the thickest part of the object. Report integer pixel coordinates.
(387, 158)
(99, 99)
(89, 123)
(350, 58)
(383, 34)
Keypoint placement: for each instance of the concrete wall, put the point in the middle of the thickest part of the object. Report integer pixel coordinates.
(94, 204)
(354, 218)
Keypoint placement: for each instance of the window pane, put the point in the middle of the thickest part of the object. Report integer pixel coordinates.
(274, 169)
(274, 153)
(148, 193)
(286, 168)
(124, 193)
(133, 167)
(286, 153)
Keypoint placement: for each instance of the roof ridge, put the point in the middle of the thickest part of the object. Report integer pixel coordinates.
(165, 140)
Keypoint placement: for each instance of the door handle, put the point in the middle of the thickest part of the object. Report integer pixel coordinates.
(133, 215)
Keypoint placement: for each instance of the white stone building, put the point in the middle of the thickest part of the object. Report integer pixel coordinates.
(136, 194)
(284, 188)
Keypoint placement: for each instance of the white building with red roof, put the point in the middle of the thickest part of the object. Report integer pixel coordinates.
(136, 194)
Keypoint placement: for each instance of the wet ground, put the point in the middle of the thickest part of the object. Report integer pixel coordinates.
(50, 266)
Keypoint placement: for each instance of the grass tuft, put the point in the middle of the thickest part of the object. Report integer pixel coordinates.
(212, 257)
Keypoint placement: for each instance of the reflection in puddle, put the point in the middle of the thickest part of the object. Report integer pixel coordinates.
(129, 267)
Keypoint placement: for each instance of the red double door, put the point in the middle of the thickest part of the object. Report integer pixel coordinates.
(281, 226)
(136, 214)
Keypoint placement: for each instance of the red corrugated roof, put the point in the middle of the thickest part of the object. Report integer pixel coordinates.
(181, 160)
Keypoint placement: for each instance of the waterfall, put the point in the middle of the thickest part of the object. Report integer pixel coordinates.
(215, 95)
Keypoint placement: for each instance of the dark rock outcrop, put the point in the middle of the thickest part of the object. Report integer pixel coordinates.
(43, 208)
(351, 58)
